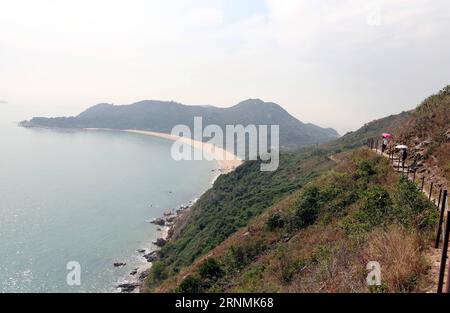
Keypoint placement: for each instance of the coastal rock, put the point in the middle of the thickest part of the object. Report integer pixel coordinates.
(160, 242)
(134, 272)
(128, 287)
(168, 212)
(182, 209)
(119, 264)
(141, 250)
(144, 275)
(152, 256)
(170, 219)
(159, 221)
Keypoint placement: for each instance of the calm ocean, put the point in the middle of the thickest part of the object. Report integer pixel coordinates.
(83, 196)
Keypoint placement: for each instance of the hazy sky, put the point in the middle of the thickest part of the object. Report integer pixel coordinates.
(334, 63)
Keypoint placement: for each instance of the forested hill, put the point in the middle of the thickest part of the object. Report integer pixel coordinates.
(162, 116)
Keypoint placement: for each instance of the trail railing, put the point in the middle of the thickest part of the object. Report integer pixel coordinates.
(435, 194)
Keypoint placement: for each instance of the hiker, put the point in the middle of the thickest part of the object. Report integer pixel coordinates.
(385, 141)
(404, 156)
(384, 146)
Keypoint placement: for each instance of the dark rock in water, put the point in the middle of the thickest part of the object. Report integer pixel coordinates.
(144, 275)
(134, 272)
(119, 264)
(152, 256)
(141, 250)
(159, 221)
(170, 219)
(160, 242)
(127, 287)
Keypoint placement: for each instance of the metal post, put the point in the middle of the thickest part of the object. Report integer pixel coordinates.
(444, 255)
(447, 289)
(431, 191)
(441, 218)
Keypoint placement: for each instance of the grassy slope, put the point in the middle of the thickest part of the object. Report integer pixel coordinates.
(321, 238)
(430, 124)
(234, 200)
(238, 197)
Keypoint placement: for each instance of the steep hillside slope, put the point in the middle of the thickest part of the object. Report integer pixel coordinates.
(162, 116)
(321, 238)
(238, 197)
(427, 132)
(306, 226)
(391, 124)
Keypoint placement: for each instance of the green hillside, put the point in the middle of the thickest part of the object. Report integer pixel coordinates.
(322, 237)
(240, 196)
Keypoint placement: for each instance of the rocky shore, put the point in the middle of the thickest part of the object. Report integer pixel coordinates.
(166, 225)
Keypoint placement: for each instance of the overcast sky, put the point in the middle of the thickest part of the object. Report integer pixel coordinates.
(334, 63)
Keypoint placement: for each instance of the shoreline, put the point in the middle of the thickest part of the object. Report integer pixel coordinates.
(227, 163)
(226, 160)
(134, 282)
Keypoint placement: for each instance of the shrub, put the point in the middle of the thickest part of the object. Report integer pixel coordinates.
(211, 269)
(365, 169)
(307, 208)
(158, 272)
(286, 265)
(275, 221)
(241, 255)
(412, 208)
(375, 207)
(191, 284)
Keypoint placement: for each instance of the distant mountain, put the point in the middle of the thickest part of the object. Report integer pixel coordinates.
(160, 116)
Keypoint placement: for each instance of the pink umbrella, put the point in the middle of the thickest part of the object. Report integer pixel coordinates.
(386, 135)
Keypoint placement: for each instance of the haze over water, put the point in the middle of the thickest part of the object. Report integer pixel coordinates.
(83, 196)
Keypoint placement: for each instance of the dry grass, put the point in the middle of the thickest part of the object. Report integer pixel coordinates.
(400, 254)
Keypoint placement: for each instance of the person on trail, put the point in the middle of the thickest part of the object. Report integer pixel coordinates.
(384, 146)
(404, 156)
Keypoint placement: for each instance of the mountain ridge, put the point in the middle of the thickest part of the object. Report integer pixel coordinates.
(162, 116)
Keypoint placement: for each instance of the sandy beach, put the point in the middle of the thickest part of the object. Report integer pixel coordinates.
(227, 161)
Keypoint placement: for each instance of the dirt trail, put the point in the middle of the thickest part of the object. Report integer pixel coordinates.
(433, 255)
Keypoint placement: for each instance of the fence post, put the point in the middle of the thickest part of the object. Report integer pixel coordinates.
(431, 191)
(441, 218)
(444, 255)
(423, 183)
(376, 147)
(439, 201)
(414, 177)
(447, 289)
